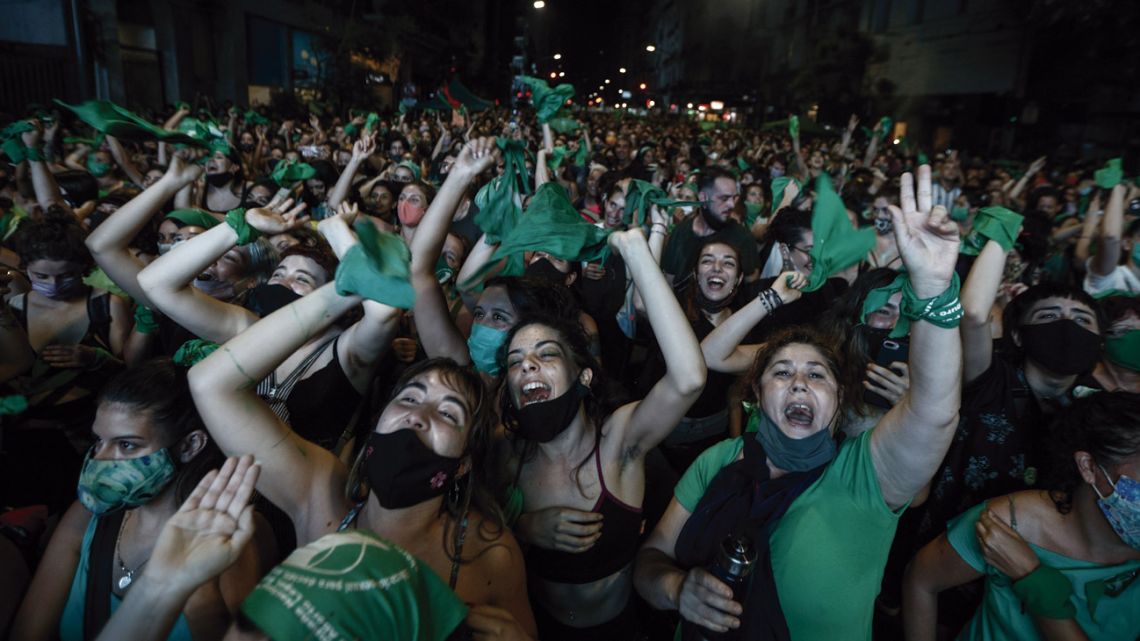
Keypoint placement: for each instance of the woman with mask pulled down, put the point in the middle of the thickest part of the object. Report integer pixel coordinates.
(150, 452)
(792, 494)
(1060, 562)
(77, 333)
(418, 480)
(575, 458)
(318, 388)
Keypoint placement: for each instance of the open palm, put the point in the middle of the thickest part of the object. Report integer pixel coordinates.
(927, 238)
(210, 530)
(277, 217)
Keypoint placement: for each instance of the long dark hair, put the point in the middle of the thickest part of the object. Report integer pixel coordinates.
(159, 390)
(604, 397)
(1104, 424)
(473, 487)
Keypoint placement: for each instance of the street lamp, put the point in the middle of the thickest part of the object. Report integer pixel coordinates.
(538, 4)
(607, 81)
(621, 70)
(650, 48)
(641, 86)
(557, 56)
(561, 74)
(553, 75)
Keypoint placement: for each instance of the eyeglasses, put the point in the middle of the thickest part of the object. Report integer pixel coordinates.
(806, 252)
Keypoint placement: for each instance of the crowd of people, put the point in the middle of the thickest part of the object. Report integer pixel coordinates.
(552, 373)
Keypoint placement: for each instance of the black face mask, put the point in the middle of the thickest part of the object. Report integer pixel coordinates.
(219, 179)
(247, 147)
(544, 271)
(542, 422)
(263, 300)
(1062, 347)
(402, 471)
(709, 305)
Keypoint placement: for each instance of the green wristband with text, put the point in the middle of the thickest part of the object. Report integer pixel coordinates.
(1046, 593)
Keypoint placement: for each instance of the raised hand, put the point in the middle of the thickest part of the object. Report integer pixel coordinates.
(182, 173)
(277, 218)
(32, 138)
(477, 156)
(208, 533)
(363, 148)
(622, 241)
(1037, 165)
(927, 239)
(852, 123)
(788, 286)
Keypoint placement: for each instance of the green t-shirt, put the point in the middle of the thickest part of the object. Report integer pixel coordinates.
(1114, 616)
(353, 585)
(829, 549)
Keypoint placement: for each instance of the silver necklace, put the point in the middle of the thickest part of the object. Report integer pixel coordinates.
(128, 575)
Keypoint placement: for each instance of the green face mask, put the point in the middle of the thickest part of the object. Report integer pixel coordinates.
(959, 214)
(96, 167)
(109, 485)
(484, 344)
(443, 272)
(1124, 350)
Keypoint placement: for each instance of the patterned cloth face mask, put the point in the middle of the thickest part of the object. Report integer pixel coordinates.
(1122, 508)
(112, 484)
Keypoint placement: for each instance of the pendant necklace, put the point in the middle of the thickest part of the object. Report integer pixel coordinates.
(128, 575)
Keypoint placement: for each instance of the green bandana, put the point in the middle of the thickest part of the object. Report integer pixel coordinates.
(547, 101)
(412, 167)
(113, 120)
(582, 154)
(106, 485)
(192, 218)
(500, 201)
(640, 195)
(836, 245)
(377, 268)
(1046, 592)
(10, 221)
(288, 173)
(993, 223)
(1124, 350)
(192, 351)
(13, 143)
(1110, 175)
(145, 321)
(100, 280)
(255, 119)
(370, 122)
(246, 234)
(885, 126)
(742, 164)
(557, 156)
(944, 310)
(10, 405)
(778, 186)
(552, 225)
(564, 125)
(794, 126)
(353, 585)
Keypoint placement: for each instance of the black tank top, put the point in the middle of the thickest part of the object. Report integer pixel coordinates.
(614, 549)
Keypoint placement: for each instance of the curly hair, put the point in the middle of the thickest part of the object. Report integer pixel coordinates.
(57, 236)
(1105, 424)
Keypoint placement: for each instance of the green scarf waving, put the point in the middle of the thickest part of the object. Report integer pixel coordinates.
(547, 101)
(500, 201)
(640, 195)
(552, 225)
(836, 244)
(113, 120)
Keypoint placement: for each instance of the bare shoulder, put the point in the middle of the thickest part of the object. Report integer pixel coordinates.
(1031, 512)
(489, 545)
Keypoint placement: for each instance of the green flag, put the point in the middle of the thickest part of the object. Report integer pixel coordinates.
(113, 120)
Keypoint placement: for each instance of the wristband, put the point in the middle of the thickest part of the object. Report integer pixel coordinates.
(944, 310)
(1045, 592)
(246, 234)
(193, 351)
(770, 300)
(145, 322)
(10, 405)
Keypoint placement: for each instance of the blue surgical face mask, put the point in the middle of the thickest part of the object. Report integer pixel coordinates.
(66, 289)
(1136, 253)
(775, 172)
(483, 345)
(1122, 508)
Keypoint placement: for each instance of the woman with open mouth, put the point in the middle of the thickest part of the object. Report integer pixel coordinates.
(793, 495)
(581, 456)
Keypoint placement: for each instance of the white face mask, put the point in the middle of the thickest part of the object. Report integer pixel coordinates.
(172, 245)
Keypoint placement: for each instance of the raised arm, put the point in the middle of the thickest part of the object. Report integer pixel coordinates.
(1111, 230)
(123, 159)
(722, 349)
(109, 242)
(437, 332)
(541, 171)
(43, 182)
(361, 150)
(649, 421)
(167, 280)
(873, 145)
(1034, 167)
(361, 345)
(909, 442)
(224, 386)
(978, 296)
(852, 123)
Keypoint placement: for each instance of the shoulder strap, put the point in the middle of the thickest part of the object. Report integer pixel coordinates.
(22, 311)
(100, 565)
